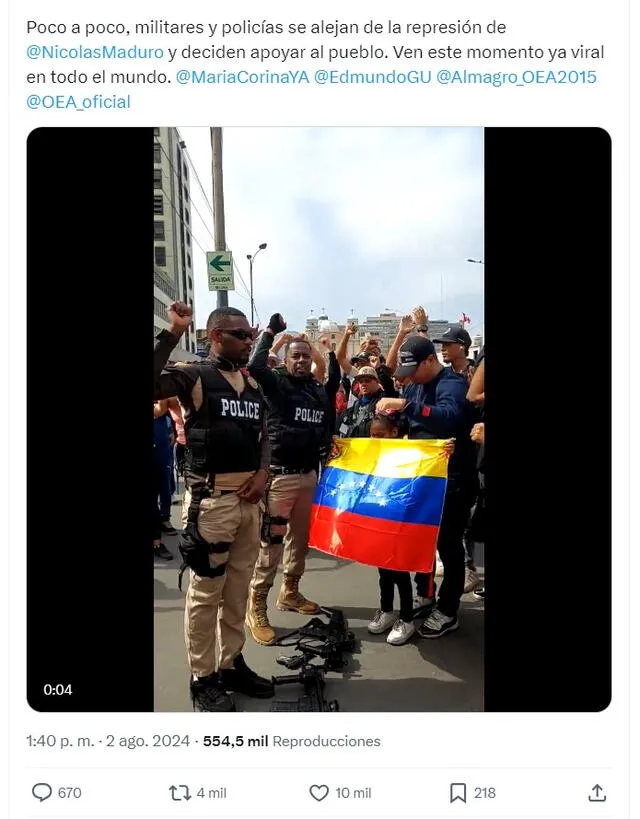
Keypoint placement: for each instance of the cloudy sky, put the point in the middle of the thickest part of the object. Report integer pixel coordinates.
(362, 218)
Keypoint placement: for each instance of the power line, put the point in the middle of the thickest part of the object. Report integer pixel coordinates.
(187, 227)
(210, 207)
(193, 168)
(206, 199)
(244, 284)
(179, 215)
(191, 200)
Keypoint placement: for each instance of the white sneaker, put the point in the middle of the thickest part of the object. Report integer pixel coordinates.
(471, 580)
(401, 633)
(423, 602)
(382, 621)
(439, 566)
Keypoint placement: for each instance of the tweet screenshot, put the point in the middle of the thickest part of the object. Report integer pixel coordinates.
(294, 231)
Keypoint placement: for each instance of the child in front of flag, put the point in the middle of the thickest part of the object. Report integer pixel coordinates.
(401, 627)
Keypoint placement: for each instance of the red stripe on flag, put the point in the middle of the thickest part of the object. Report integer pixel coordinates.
(387, 544)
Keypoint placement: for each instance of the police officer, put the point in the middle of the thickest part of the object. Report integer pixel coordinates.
(226, 474)
(298, 419)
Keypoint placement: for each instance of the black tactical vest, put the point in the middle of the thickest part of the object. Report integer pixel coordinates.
(224, 434)
(358, 418)
(299, 423)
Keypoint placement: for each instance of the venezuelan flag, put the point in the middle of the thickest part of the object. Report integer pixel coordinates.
(380, 502)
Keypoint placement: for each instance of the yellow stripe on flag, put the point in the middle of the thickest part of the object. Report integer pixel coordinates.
(387, 458)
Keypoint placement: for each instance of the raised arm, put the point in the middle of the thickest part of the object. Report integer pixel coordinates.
(341, 350)
(177, 381)
(333, 381)
(404, 329)
(258, 365)
(279, 343)
(319, 366)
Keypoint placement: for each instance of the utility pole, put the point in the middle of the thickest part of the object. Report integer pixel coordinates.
(218, 203)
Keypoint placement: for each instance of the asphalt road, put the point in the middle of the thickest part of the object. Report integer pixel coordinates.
(423, 675)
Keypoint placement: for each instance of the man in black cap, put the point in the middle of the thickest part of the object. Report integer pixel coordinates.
(358, 419)
(456, 343)
(434, 402)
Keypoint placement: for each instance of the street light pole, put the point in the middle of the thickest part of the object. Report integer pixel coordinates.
(263, 246)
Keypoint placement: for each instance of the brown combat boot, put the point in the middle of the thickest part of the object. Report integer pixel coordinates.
(290, 598)
(257, 620)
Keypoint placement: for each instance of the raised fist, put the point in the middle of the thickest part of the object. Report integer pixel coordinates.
(276, 324)
(351, 330)
(180, 316)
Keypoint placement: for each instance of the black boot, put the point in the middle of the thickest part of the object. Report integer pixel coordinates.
(242, 679)
(208, 695)
(161, 552)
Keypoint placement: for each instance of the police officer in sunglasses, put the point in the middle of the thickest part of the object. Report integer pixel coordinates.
(226, 472)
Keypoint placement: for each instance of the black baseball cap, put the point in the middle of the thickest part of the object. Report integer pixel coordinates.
(413, 352)
(361, 358)
(455, 335)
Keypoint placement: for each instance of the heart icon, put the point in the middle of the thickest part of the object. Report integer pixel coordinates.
(319, 792)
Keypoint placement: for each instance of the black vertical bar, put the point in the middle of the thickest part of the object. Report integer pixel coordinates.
(548, 335)
(89, 383)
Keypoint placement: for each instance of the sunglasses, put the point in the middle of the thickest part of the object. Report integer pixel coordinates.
(241, 335)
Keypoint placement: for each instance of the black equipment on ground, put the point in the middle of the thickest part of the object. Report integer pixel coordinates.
(318, 639)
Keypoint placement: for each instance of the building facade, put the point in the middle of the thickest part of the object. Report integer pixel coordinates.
(383, 327)
(202, 343)
(321, 325)
(172, 239)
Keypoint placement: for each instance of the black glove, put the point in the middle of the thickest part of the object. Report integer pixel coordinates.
(276, 324)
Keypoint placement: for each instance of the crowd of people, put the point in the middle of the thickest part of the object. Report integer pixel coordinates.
(252, 432)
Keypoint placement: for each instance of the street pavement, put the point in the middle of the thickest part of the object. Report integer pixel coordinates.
(423, 675)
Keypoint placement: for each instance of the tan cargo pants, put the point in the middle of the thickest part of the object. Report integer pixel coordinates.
(290, 498)
(216, 606)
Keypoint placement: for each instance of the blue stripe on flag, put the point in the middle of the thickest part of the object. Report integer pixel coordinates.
(410, 500)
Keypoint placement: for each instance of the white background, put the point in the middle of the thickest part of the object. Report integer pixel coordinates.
(596, 741)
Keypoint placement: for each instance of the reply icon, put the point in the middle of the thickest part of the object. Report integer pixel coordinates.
(457, 792)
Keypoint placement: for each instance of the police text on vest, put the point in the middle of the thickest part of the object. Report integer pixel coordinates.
(240, 409)
(309, 415)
